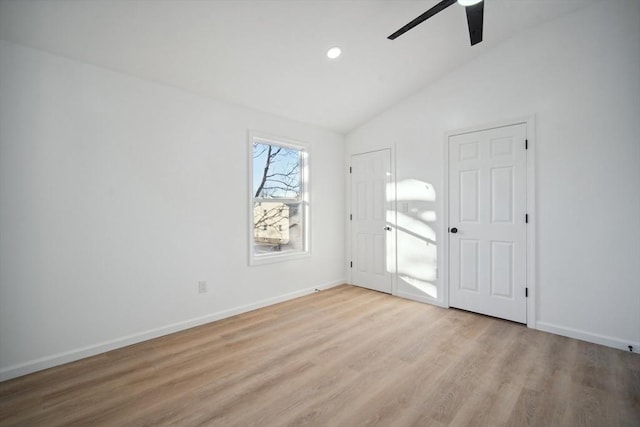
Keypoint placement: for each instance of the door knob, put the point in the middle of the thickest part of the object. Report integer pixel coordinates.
(454, 230)
(387, 228)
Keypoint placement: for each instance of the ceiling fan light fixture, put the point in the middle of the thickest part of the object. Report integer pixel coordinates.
(474, 9)
(334, 53)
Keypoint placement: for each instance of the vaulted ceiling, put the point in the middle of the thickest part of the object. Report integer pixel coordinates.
(270, 54)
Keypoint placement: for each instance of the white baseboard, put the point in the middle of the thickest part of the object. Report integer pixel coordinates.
(589, 336)
(92, 350)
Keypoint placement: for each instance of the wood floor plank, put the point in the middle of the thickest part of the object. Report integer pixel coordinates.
(342, 357)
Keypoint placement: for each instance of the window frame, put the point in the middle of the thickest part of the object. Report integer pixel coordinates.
(303, 201)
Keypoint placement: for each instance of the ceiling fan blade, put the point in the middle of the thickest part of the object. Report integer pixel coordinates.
(428, 14)
(474, 20)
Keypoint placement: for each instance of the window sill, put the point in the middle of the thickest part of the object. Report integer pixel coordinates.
(279, 257)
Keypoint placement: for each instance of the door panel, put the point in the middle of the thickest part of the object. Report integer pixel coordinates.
(502, 195)
(487, 206)
(501, 255)
(469, 264)
(370, 179)
(469, 182)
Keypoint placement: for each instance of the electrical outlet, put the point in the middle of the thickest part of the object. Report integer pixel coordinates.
(202, 287)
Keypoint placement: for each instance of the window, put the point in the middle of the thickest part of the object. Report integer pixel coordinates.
(279, 205)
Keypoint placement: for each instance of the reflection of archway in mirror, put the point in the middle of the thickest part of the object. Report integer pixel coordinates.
(416, 238)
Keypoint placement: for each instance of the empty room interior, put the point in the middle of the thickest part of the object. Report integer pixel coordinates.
(320, 212)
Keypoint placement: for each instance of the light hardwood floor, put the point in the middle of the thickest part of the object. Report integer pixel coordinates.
(342, 357)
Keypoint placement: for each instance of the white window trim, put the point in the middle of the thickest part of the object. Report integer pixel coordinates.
(304, 202)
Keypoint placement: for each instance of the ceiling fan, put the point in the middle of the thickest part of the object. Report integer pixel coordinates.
(474, 9)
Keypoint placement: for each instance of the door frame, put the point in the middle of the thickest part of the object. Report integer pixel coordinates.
(394, 209)
(531, 268)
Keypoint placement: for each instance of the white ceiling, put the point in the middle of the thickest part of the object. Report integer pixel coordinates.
(270, 55)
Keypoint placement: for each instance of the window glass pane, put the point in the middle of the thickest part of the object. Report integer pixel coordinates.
(277, 227)
(276, 172)
(278, 203)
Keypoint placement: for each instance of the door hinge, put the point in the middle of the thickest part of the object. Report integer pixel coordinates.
(350, 217)
(526, 144)
(351, 264)
(526, 292)
(526, 218)
(350, 169)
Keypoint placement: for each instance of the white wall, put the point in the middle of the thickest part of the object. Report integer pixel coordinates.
(580, 76)
(118, 195)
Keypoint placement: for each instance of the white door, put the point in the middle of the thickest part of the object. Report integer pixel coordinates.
(370, 232)
(487, 229)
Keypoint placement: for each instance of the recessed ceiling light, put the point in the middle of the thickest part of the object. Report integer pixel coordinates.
(468, 2)
(334, 52)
